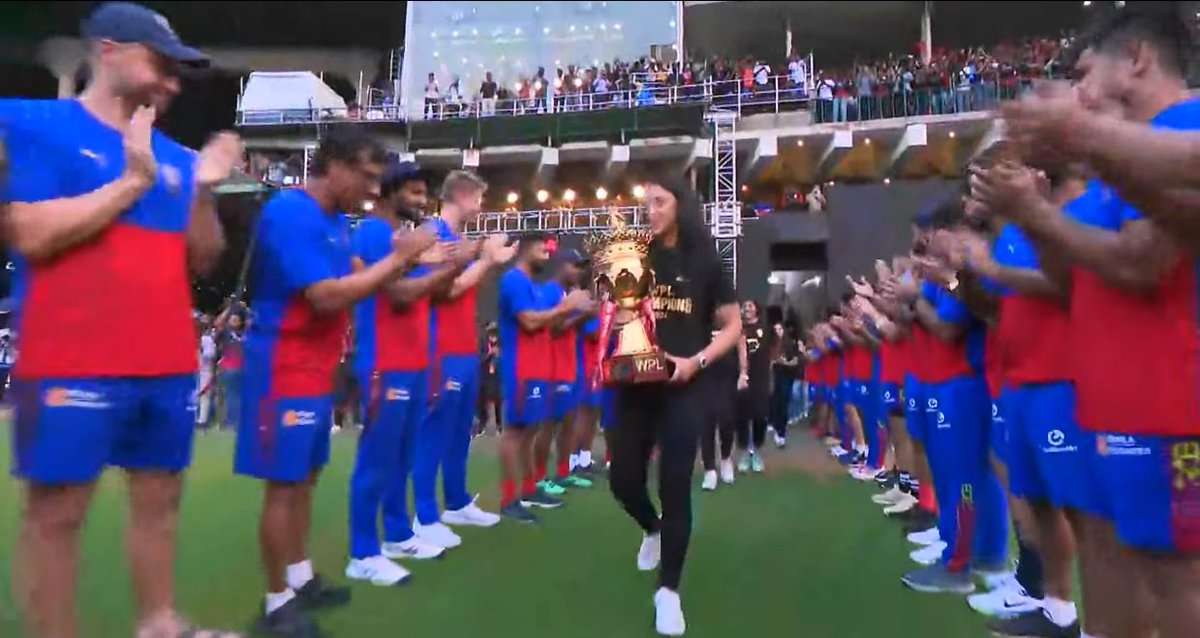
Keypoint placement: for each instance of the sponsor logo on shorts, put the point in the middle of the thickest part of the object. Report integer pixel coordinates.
(563, 388)
(1121, 445)
(535, 393)
(887, 396)
(942, 424)
(931, 405)
(68, 398)
(1056, 443)
(912, 405)
(996, 414)
(452, 385)
(292, 418)
(396, 394)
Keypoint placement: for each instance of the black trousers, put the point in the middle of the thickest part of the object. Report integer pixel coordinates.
(721, 418)
(781, 401)
(753, 404)
(666, 416)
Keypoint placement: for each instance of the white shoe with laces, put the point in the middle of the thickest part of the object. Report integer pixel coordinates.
(927, 537)
(906, 503)
(414, 548)
(649, 553)
(437, 534)
(929, 554)
(470, 516)
(668, 613)
(710, 481)
(1005, 600)
(378, 570)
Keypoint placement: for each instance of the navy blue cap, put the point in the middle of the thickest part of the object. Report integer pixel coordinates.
(569, 256)
(397, 173)
(127, 22)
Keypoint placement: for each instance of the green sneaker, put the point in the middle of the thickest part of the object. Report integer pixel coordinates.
(551, 488)
(572, 480)
(743, 465)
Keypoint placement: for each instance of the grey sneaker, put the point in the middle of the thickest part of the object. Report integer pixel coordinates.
(936, 579)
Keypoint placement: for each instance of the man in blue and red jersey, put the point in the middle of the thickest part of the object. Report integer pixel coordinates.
(446, 432)
(304, 287)
(525, 318)
(587, 415)
(391, 332)
(106, 214)
(1133, 301)
(972, 516)
(565, 370)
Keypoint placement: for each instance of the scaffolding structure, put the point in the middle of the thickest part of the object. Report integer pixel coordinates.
(725, 218)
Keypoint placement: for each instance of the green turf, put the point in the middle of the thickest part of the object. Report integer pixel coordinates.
(789, 553)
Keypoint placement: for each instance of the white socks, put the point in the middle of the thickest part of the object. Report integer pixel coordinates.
(585, 458)
(1059, 611)
(861, 449)
(573, 462)
(275, 601)
(299, 574)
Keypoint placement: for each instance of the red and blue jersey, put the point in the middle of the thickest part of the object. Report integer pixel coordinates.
(387, 338)
(524, 355)
(1032, 331)
(563, 345)
(964, 356)
(587, 354)
(858, 362)
(1136, 356)
(454, 330)
(893, 361)
(299, 244)
(74, 309)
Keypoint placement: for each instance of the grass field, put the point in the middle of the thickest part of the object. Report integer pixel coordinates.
(798, 552)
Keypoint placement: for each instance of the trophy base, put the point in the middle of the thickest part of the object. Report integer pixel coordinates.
(643, 367)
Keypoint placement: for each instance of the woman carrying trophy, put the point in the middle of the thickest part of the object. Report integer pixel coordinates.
(662, 291)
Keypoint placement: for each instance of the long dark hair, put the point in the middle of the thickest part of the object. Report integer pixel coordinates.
(695, 242)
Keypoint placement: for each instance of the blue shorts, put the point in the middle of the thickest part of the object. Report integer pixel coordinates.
(527, 404)
(890, 395)
(285, 439)
(588, 397)
(1050, 458)
(608, 408)
(814, 393)
(68, 430)
(566, 399)
(998, 430)
(1151, 489)
(914, 409)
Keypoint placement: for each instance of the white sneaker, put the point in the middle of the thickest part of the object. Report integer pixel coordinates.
(414, 548)
(838, 451)
(668, 613)
(1004, 579)
(378, 570)
(1004, 602)
(649, 553)
(437, 534)
(890, 497)
(710, 481)
(780, 441)
(756, 463)
(863, 473)
(906, 503)
(929, 554)
(927, 537)
(470, 516)
(727, 474)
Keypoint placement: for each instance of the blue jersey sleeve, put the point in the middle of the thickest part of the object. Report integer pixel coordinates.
(371, 241)
(34, 167)
(517, 294)
(294, 232)
(950, 309)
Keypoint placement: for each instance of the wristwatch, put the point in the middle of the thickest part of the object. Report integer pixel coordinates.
(702, 361)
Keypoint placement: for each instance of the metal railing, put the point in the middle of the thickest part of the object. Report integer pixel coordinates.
(570, 220)
(777, 95)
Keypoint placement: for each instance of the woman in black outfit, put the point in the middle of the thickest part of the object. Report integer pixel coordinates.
(754, 396)
(691, 291)
(785, 368)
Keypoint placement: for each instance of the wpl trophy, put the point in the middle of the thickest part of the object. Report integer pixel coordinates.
(625, 283)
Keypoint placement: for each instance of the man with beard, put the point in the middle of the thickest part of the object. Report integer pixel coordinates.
(304, 287)
(106, 214)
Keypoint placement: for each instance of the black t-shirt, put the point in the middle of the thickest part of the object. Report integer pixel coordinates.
(687, 292)
(726, 366)
(790, 352)
(758, 351)
(487, 90)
